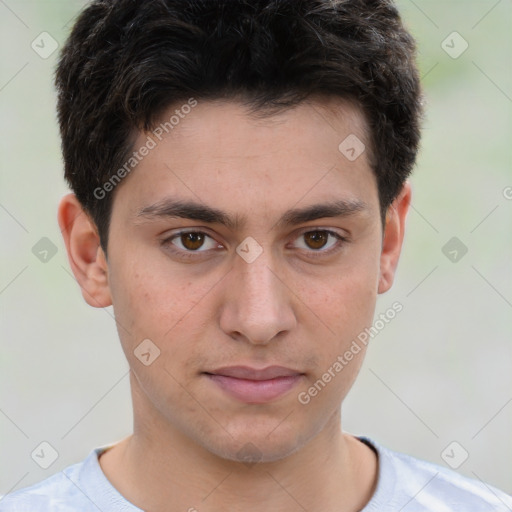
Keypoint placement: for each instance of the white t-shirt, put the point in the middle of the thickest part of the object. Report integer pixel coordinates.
(405, 484)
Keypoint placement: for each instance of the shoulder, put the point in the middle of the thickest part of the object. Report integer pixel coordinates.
(413, 484)
(57, 492)
(54, 493)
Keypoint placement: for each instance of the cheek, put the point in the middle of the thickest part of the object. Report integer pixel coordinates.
(172, 310)
(137, 300)
(148, 299)
(160, 306)
(342, 313)
(342, 302)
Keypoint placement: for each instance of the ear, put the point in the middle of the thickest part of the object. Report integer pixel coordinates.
(86, 257)
(393, 237)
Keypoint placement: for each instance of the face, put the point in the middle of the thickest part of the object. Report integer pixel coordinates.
(237, 246)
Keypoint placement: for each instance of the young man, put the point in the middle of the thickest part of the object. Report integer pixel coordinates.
(240, 194)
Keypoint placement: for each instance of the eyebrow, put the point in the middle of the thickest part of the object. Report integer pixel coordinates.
(186, 209)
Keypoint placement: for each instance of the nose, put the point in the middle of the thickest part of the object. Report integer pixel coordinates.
(258, 303)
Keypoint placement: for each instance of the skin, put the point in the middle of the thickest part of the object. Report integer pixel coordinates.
(214, 309)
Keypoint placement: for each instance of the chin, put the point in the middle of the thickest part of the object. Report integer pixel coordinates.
(255, 445)
(250, 453)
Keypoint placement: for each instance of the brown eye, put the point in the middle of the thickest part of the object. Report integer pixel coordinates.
(316, 239)
(192, 241)
(320, 242)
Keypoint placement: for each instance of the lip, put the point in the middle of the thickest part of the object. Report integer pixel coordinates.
(252, 385)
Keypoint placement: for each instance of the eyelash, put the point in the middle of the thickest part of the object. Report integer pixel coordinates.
(341, 241)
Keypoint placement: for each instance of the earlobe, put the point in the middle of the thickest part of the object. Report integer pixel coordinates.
(393, 236)
(85, 255)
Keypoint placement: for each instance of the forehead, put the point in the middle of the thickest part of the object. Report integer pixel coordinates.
(222, 156)
(220, 118)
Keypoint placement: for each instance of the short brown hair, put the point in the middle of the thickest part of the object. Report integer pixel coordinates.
(126, 61)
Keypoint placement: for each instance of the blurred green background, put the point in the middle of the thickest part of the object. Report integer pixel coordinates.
(440, 372)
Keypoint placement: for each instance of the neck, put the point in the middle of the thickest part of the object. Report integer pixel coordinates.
(159, 468)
